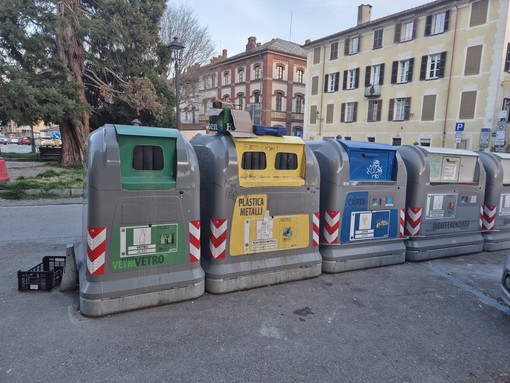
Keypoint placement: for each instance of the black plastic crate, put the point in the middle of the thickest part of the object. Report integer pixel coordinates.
(45, 276)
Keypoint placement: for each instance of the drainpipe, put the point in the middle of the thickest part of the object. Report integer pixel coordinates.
(322, 89)
(443, 143)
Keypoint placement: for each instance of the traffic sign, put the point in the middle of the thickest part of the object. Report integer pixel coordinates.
(459, 126)
(56, 136)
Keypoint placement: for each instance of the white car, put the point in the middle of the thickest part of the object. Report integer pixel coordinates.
(14, 140)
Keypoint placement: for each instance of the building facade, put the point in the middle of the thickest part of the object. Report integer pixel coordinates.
(267, 79)
(435, 75)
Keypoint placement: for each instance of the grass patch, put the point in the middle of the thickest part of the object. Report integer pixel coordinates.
(52, 176)
(19, 155)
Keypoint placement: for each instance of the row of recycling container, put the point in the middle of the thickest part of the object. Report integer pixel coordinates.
(167, 219)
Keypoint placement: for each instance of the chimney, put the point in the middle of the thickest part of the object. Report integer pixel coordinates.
(364, 13)
(224, 54)
(252, 44)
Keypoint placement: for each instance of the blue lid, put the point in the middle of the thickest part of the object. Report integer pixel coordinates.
(365, 145)
(269, 130)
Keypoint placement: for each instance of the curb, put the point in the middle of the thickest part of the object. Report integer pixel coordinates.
(59, 192)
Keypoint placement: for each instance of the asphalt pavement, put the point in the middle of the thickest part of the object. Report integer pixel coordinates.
(433, 321)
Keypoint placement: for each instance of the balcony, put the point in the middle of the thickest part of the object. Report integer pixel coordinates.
(373, 91)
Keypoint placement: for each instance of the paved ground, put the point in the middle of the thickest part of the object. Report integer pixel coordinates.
(434, 321)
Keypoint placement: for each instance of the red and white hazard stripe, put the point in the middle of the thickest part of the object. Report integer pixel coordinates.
(331, 226)
(402, 222)
(218, 238)
(96, 250)
(194, 241)
(413, 223)
(315, 236)
(488, 217)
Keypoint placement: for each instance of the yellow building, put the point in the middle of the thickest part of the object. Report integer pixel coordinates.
(436, 75)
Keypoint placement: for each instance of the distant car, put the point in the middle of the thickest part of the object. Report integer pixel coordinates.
(47, 141)
(505, 282)
(3, 140)
(25, 141)
(14, 140)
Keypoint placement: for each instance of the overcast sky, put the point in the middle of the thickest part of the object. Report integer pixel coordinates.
(231, 22)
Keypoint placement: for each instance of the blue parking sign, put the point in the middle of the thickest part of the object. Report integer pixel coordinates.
(459, 127)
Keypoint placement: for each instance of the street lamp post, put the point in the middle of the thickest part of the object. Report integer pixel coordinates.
(176, 49)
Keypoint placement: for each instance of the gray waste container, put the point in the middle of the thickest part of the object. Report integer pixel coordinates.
(496, 209)
(259, 205)
(142, 221)
(363, 191)
(445, 192)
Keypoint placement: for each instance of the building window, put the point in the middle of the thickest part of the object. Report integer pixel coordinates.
(240, 99)
(279, 72)
(396, 141)
(213, 81)
(226, 97)
(402, 71)
(506, 108)
(299, 104)
(474, 58)
(226, 78)
(507, 59)
(330, 110)
(374, 75)
(371, 139)
(428, 107)
(240, 75)
(399, 109)
(348, 112)
(351, 79)
(333, 53)
(315, 85)
(378, 38)
(351, 45)
(405, 31)
(256, 97)
(478, 13)
(374, 110)
(279, 101)
(432, 66)
(331, 82)
(467, 105)
(436, 24)
(299, 76)
(317, 55)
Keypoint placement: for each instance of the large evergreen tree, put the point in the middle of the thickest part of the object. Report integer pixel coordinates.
(83, 63)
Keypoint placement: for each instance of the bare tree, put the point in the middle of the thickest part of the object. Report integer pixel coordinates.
(181, 22)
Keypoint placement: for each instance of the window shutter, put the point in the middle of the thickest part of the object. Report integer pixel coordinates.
(407, 108)
(337, 79)
(446, 20)
(394, 71)
(390, 109)
(442, 64)
(381, 75)
(342, 112)
(370, 111)
(379, 109)
(411, 67)
(423, 70)
(398, 28)
(428, 25)
(415, 21)
(344, 83)
(367, 76)
(326, 80)
(355, 114)
(507, 63)
(356, 79)
(346, 47)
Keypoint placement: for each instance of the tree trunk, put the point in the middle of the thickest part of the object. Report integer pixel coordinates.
(74, 130)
